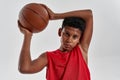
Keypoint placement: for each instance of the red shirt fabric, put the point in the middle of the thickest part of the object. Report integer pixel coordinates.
(67, 66)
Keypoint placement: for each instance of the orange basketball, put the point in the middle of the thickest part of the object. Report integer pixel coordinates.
(34, 17)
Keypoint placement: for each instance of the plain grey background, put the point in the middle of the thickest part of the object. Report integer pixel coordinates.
(104, 51)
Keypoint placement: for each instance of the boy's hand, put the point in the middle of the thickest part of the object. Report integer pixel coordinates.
(23, 30)
(50, 12)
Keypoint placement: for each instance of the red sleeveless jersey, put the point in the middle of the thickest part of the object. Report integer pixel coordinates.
(67, 66)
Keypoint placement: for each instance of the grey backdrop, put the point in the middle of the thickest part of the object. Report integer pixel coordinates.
(104, 52)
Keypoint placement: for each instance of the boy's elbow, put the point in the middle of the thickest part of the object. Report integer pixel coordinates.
(27, 70)
(23, 70)
(90, 13)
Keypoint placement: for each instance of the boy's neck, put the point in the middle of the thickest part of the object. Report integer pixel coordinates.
(63, 50)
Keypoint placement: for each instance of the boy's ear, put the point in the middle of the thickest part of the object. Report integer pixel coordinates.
(59, 31)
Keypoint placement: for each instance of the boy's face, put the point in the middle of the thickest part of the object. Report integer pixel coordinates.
(70, 37)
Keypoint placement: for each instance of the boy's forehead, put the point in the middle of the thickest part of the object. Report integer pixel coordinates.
(71, 29)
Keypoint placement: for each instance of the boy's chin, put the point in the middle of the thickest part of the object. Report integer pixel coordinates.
(67, 49)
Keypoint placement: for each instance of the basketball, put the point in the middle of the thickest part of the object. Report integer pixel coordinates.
(34, 17)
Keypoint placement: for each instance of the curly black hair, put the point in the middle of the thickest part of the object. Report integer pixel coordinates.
(75, 22)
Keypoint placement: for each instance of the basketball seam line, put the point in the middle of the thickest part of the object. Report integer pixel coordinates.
(28, 21)
(37, 14)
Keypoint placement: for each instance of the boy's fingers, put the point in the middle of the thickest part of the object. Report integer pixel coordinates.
(19, 24)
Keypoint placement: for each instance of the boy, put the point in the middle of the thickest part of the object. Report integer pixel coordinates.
(69, 62)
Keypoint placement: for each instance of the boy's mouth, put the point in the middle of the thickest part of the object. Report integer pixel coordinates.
(68, 46)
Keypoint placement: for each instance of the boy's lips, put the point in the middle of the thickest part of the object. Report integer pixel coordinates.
(67, 45)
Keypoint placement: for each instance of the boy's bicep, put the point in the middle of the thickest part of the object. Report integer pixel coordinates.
(87, 34)
(39, 63)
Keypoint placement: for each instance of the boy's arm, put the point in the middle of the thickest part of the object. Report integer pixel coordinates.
(26, 65)
(87, 34)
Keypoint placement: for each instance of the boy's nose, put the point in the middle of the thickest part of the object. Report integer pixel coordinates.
(69, 39)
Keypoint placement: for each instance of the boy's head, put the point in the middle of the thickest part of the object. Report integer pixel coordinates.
(75, 22)
(71, 32)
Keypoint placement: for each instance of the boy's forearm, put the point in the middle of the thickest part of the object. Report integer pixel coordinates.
(25, 58)
(85, 14)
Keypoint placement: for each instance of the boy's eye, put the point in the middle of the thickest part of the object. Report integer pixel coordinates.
(66, 34)
(74, 37)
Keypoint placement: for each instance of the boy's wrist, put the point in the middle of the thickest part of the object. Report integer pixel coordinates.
(28, 35)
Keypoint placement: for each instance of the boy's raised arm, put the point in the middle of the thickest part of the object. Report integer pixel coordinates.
(26, 64)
